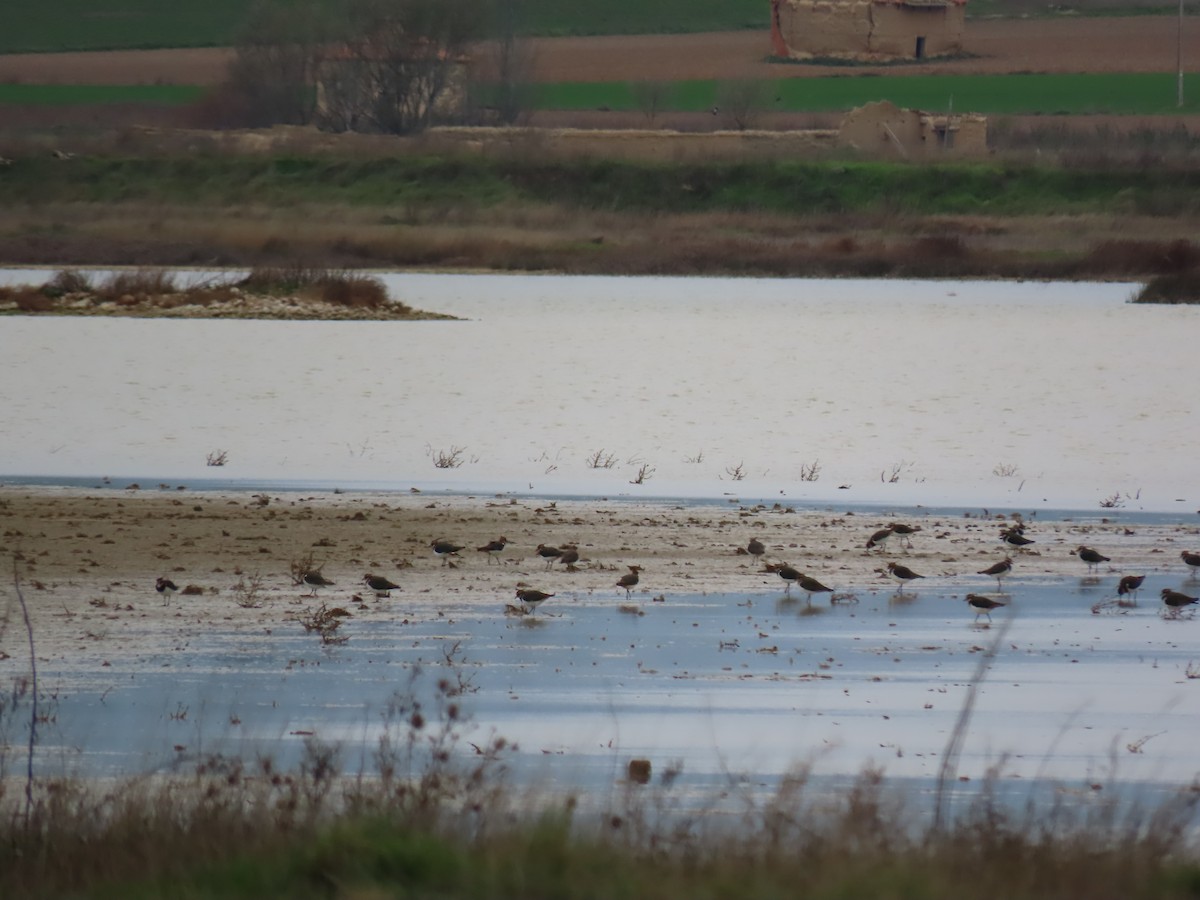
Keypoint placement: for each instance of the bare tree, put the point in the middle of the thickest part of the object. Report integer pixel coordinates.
(502, 89)
(402, 66)
(742, 102)
(651, 97)
(278, 51)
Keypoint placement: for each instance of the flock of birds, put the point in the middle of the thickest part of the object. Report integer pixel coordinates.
(568, 555)
(1013, 536)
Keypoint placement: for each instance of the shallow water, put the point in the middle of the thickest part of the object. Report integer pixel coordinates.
(724, 685)
(715, 386)
(721, 388)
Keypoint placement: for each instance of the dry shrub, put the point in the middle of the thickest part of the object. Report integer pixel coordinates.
(68, 281)
(1133, 257)
(29, 299)
(1174, 287)
(139, 282)
(350, 289)
(936, 248)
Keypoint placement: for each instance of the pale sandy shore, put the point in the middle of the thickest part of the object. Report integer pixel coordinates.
(87, 560)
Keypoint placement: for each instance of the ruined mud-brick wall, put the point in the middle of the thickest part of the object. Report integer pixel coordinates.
(884, 129)
(627, 144)
(867, 29)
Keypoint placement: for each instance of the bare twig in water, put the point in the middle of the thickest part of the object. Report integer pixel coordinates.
(959, 734)
(33, 707)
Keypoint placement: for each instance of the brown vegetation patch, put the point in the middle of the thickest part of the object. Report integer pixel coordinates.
(264, 294)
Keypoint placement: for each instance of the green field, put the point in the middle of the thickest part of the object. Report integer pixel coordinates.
(1120, 94)
(88, 94)
(56, 25)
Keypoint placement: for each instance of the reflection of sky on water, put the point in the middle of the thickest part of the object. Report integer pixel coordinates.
(948, 380)
(940, 383)
(742, 692)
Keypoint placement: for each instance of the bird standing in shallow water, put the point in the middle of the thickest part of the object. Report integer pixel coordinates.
(532, 598)
(1130, 584)
(315, 580)
(1192, 560)
(380, 585)
(166, 588)
(789, 576)
(1177, 600)
(444, 550)
(1090, 556)
(983, 606)
(903, 574)
(629, 581)
(812, 586)
(998, 570)
(493, 548)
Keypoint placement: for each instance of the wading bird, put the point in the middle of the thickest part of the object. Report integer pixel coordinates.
(903, 574)
(493, 549)
(983, 606)
(629, 581)
(532, 598)
(315, 580)
(998, 570)
(166, 588)
(444, 549)
(1090, 556)
(380, 585)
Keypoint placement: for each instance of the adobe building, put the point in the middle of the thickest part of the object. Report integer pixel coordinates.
(884, 129)
(867, 29)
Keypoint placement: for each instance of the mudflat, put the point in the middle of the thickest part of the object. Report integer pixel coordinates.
(86, 561)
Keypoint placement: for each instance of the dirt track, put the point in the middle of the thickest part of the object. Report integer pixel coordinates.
(1134, 44)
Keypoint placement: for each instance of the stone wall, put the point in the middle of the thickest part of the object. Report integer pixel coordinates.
(632, 144)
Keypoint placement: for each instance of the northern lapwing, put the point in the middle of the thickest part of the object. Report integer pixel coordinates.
(629, 581)
(166, 589)
(983, 606)
(493, 549)
(380, 585)
(444, 549)
(315, 580)
(902, 574)
(1177, 600)
(531, 598)
(548, 553)
(998, 570)
(1192, 560)
(1130, 584)
(1091, 557)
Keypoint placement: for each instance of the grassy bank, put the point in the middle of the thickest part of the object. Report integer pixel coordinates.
(205, 208)
(461, 186)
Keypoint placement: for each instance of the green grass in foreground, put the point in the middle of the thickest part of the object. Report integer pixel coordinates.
(1073, 94)
(97, 94)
